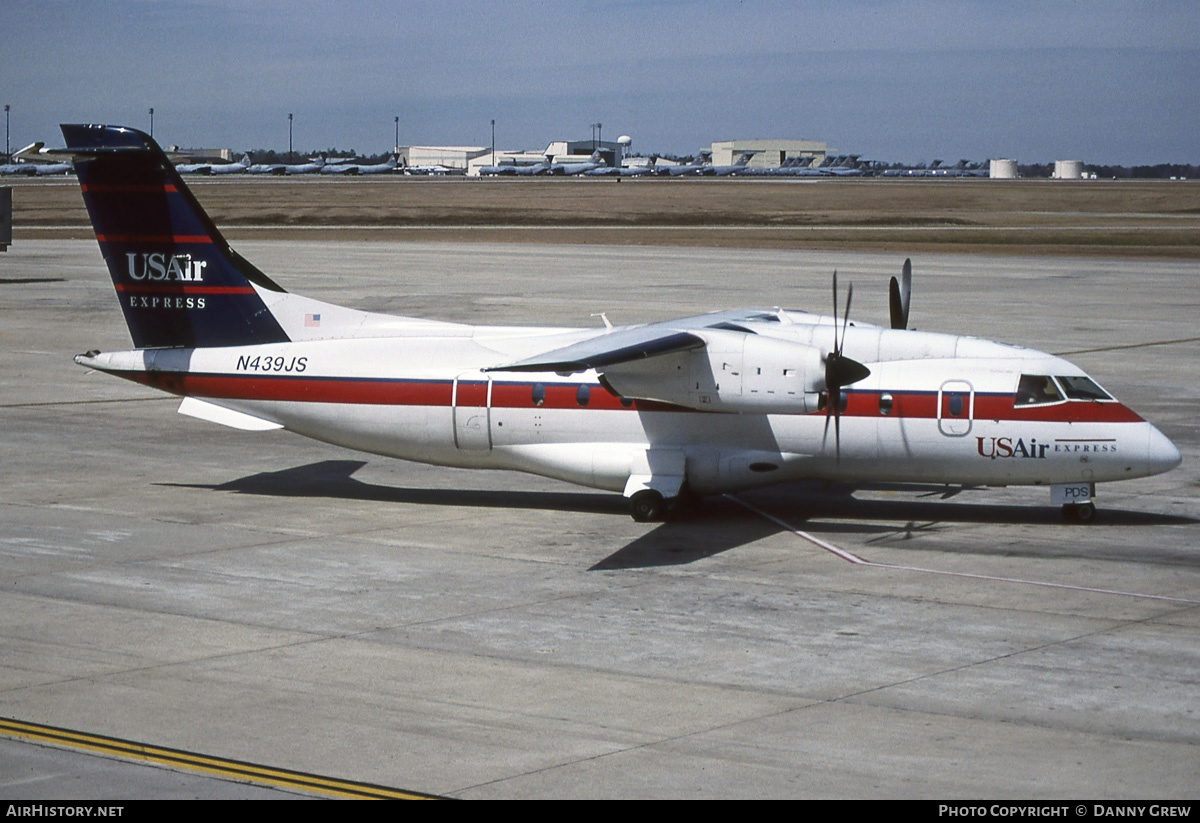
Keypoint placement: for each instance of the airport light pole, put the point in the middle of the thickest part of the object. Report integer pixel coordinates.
(289, 136)
(7, 153)
(152, 121)
(396, 145)
(493, 138)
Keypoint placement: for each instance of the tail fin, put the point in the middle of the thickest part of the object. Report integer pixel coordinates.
(179, 282)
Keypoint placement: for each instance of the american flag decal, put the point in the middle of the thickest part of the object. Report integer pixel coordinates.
(312, 320)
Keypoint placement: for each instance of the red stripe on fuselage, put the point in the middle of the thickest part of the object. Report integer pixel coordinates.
(988, 407)
(560, 396)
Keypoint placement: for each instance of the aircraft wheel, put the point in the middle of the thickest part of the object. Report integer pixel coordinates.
(1079, 513)
(647, 505)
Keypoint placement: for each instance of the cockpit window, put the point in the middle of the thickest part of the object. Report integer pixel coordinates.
(1083, 388)
(1036, 389)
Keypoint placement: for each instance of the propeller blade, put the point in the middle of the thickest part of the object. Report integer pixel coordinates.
(836, 347)
(846, 317)
(840, 371)
(828, 414)
(900, 297)
(837, 431)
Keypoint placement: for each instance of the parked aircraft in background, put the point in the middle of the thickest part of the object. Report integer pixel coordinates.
(619, 171)
(428, 171)
(339, 168)
(377, 168)
(962, 168)
(215, 168)
(677, 170)
(844, 166)
(725, 171)
(31, 164)
(311, 167)
(231, 168)
(266, 168)
(593, 162)
(22, 169)
(47, 169)
(515, 169)
(360, 168)
(698, 405)
(803, 167)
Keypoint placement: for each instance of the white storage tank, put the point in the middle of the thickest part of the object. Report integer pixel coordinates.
(1068, 169)
(1003, 169)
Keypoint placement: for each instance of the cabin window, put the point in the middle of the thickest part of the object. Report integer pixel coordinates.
(582, 394)
(1082, 388)
(539, 394)
(885, 403)
(954, 404)
(1037, 389)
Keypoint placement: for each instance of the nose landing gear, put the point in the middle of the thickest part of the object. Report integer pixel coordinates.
(1079, 512)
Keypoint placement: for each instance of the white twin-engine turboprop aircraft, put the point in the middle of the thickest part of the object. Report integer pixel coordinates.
(701, 405)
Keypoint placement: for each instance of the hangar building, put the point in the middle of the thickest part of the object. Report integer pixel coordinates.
(578, 151)
(451, 157)
(768, 154)
(559, 151)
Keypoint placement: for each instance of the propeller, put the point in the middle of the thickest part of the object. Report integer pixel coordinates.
(840, 371)
(900, 294)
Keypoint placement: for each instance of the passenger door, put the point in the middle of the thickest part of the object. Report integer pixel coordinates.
(956, 408)
(472, 402)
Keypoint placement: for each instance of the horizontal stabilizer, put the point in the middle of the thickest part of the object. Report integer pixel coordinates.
(213, 413)
(627, 345)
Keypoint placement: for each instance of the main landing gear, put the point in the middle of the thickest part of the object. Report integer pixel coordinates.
(647, 505)
(1079, 512)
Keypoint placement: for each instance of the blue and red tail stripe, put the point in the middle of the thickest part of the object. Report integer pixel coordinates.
(153, 238)
(138, 288)
(179, 282)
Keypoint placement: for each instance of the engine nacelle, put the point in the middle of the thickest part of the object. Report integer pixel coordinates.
(734, 372)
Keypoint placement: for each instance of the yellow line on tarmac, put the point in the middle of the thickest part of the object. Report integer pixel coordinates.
(217, 766)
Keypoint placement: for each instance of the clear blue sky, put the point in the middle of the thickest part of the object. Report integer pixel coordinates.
(1104, 81)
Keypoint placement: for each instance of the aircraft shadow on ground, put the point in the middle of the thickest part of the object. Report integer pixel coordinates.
(333, 479)
(701, 528)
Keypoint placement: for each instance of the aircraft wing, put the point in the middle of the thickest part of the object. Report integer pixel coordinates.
(712, 363)
(619, 346)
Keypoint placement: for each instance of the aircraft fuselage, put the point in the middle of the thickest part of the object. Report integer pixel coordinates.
(941, 417)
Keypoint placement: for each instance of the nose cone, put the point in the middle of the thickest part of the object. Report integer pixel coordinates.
(1161, 454)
